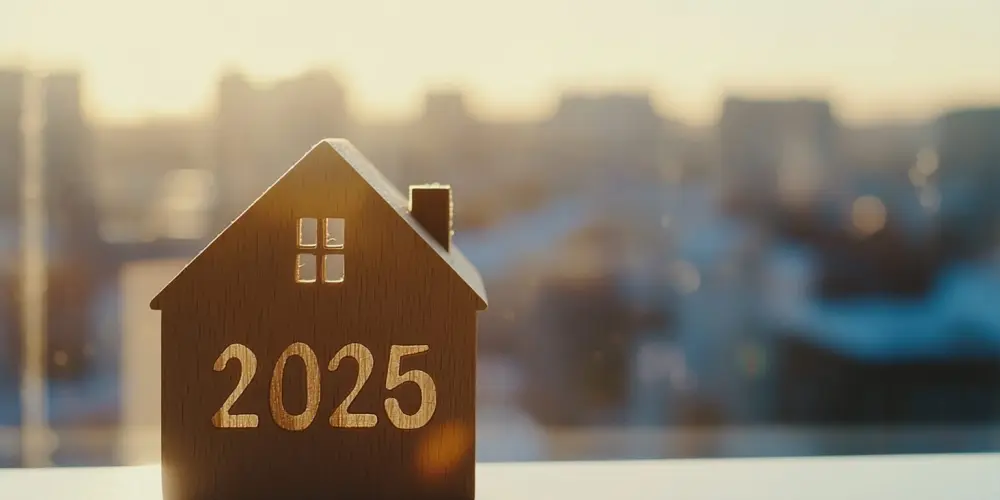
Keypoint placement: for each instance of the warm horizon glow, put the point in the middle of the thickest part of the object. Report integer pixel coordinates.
(901, 59)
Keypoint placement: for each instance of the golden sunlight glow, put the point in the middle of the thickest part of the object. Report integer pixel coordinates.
(514, 57)
(443, 449)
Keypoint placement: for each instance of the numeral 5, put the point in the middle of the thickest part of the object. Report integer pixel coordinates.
(428, 391)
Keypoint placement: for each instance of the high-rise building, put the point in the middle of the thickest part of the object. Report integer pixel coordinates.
(11, 172)
(11, 143)
(776, 149)
(74, 256)
(68, 170)
(237, 148)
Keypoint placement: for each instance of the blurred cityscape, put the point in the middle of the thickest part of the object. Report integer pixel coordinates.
(778, 283)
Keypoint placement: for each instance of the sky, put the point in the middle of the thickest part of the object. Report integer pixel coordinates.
(888, 59)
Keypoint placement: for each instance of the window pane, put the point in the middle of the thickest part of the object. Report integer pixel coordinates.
(333, 268)
(308, 233)
(305, 268)
(334, 233)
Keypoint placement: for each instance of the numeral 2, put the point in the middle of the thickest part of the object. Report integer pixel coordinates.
(366, 362)
(248, 367)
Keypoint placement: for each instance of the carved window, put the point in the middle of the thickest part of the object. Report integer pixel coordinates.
(330, 262)
(305, 268)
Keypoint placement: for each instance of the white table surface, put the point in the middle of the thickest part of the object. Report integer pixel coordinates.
(907, 477)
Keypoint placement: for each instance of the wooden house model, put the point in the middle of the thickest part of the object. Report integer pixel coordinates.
(323, 345)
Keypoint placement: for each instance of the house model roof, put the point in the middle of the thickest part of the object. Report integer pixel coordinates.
(395, 199)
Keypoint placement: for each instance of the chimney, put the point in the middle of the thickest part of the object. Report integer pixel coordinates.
(430, 205)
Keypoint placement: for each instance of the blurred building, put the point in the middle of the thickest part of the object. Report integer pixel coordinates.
(446, 111)
(966, 167)
(11, 147)
(11, 171)
(75, 259)
(448, 144)
(603, 140)
(897, 328)
(776, 151)
(882, 147)
(68, 163)
(155, 183)
(579, 357)
(492, 167)
(262, 130)
(446, 141)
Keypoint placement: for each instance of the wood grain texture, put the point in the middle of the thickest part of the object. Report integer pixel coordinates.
(397, 290)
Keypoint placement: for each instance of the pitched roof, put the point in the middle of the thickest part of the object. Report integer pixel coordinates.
(395, 199)
(400, 203)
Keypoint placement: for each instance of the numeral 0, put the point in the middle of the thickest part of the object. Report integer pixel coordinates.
(340, 417)
(282, 417)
